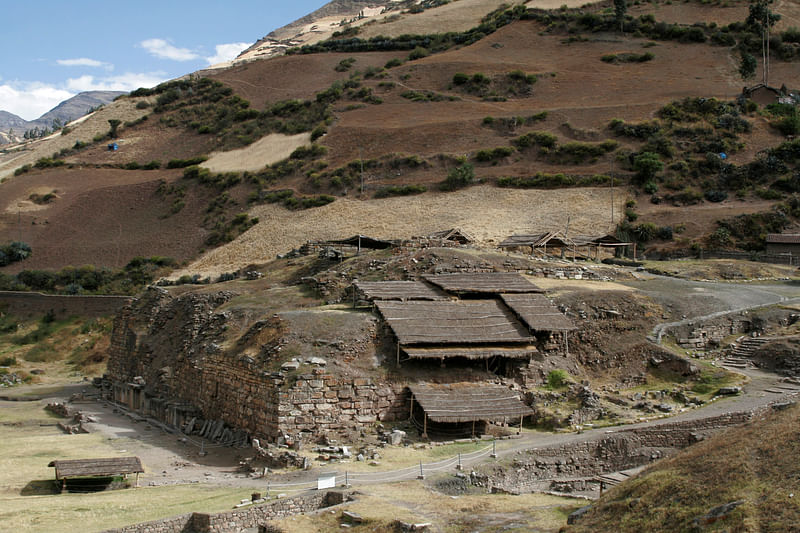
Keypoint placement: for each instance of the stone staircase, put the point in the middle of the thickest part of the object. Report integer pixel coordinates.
(743, 350)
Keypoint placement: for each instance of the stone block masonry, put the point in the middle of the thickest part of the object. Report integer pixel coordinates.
(241, 519)
(166, 362)
(613, 452)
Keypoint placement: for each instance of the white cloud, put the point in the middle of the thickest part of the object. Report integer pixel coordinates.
(31, 100)
(226, 52)
(84, 62)
(123, 82)
(164, 50)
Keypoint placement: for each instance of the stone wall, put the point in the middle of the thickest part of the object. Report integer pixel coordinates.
(613, 452)
(166, 362)
(239, 519)
(28, 304)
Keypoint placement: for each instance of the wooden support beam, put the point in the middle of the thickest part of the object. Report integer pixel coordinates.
(425, 427)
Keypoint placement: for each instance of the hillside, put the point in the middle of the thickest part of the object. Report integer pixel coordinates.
(736, 481)
(528, 99)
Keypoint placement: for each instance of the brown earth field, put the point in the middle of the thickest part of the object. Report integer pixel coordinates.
(581, 94)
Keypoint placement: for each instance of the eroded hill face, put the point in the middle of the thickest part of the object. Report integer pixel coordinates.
(527, 100)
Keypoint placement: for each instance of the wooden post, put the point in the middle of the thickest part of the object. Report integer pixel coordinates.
(519, 431)
(398, 352)
(473, 432)
(411, 411)
(136, 481)
(425, 426)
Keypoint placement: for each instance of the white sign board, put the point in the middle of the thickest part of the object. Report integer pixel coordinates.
(326, 481)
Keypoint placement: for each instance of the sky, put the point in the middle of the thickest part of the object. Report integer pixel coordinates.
(50, 50)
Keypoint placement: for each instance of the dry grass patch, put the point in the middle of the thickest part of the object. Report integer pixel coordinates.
(488, 213)
(266, 151)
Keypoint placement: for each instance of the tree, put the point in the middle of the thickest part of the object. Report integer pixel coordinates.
(760, 19)
(114, 123)
(459, 177)
(747, 65)
(646, 165)
(620, 8)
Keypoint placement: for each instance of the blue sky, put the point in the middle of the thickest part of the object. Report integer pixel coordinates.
(50, 50)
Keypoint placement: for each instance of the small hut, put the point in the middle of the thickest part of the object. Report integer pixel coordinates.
(91, 475)
(463, 408)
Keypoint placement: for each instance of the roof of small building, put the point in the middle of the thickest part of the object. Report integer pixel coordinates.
(556, 239)
(783, 238)
(398, 290)
(106, 467)
(538, 312)
(364, 242)
(465, 402)
(470, 352)
(483, 282)
(453, 234)
(448, 322)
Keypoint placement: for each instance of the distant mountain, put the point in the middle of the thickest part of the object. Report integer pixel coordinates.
(68, 110)
(10, 121)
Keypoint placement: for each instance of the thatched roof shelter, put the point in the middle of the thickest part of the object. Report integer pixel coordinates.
(538, 312)
(470, 352)
(362, 241)
(448, 322)
(398, 290)
(454, 234)
(483, 283)
(107, 467)
(467, 402)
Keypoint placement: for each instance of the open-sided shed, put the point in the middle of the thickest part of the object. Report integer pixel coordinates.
(483, 283)
(397, 290)
(458, 403)
(538, 312)
(96, 468)
(448, 322)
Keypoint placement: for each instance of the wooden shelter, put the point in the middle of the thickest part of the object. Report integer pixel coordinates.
(483, 283)
(538, 312)
(454, 234)
(96, 468)
(579, 245)
(396, 290)
(460, 403)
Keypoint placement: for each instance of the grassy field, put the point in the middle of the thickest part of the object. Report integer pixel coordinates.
(30, 440)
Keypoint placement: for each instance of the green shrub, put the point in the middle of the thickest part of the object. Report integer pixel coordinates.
(400, 190)
(309, 152)
(183, 163)
(418, 53)
(557, 379)
(459, 78)
(459, 177)
(493, 154)
(535, 138)
(396, 62)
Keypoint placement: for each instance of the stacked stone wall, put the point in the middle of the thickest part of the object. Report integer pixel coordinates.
(621, 450)
(239, 519)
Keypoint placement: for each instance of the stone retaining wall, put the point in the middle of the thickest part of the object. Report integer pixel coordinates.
(239, 519)
(28, 304)
(621, 450)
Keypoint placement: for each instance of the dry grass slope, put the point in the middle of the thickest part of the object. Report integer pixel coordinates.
(739, 464)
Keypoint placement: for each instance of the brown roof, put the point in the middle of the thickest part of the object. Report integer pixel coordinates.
(483, 282)
(454, 234)
(398, 290)
(783, 238)
(447, 322)
(557, 240)
(538, 312)
(465, 402)
(470, 352)
(113, 466)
